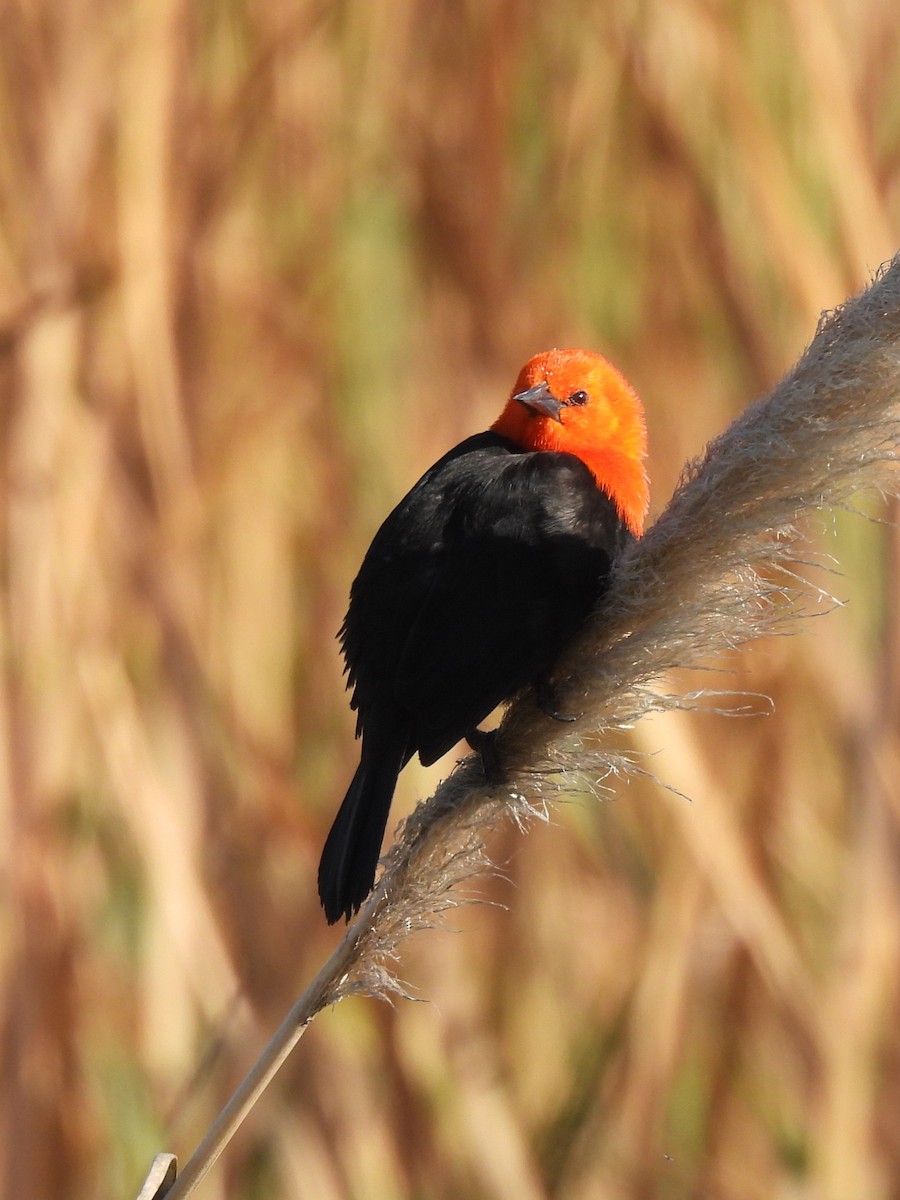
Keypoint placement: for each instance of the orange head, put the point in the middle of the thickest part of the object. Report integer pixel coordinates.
(575, 401)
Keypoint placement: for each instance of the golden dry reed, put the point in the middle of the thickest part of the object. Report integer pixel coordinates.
(260, 264)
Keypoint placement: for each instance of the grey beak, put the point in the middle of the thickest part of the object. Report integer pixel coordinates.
(541, 400)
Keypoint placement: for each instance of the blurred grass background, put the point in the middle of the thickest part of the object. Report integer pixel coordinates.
(260, 264)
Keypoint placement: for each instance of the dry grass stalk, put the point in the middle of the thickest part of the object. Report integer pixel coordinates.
(716, 570)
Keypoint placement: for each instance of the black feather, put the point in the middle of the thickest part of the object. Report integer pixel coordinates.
(471, 589)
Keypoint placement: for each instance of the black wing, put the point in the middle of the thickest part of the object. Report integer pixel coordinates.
(406, 557)
(523, 560)
(473, 586)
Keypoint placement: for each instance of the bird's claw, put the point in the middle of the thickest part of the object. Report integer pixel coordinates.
(484, 743)
(548, 703)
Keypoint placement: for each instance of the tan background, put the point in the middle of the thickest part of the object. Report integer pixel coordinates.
(261, 262)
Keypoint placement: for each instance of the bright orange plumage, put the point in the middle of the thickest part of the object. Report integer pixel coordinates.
(476, 583)
(608, 434)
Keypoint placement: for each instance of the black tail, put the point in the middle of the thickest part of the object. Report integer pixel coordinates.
(350, 857)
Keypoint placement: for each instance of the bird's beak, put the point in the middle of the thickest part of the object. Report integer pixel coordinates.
(541, 400)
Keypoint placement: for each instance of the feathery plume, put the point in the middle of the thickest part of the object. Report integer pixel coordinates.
(716, 570)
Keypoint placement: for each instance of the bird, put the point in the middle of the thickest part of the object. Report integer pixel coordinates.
(477, 581)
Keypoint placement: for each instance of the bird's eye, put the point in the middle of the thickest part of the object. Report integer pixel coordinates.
(578, 398)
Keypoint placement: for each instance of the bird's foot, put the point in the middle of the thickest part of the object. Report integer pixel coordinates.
(548, 702)
(484, 742)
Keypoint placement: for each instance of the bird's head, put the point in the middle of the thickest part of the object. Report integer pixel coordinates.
(575, 401)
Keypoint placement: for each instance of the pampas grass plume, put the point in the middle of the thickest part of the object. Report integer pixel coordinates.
(719, 567)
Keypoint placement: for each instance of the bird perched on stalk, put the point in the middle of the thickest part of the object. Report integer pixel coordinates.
(476, 583)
